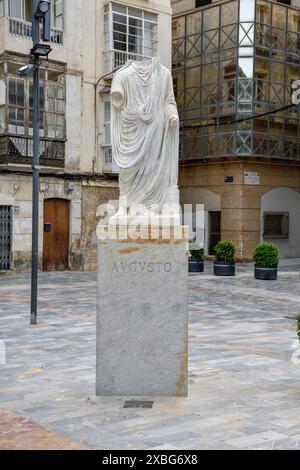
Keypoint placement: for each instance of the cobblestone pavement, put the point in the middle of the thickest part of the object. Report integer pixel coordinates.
(244, 386)
(17, 433)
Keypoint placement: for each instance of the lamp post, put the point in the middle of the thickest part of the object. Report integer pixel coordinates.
(41, 13)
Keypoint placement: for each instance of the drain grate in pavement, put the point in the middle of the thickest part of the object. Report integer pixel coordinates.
(138, 404)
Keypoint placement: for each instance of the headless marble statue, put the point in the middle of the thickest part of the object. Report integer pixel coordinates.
(145, 137)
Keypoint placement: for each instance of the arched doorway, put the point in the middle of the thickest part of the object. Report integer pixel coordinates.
(56, 235)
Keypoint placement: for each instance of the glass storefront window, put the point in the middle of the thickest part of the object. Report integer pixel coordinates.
(250, 56)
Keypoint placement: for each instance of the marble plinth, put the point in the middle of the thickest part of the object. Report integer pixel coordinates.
(142, 327)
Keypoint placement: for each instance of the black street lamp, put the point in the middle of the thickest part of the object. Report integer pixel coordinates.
(41, 13)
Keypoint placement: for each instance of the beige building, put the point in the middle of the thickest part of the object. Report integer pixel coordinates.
(234, 63)
(90, 39)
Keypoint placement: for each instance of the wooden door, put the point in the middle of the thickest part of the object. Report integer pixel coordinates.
(214, 230)
(56, 235)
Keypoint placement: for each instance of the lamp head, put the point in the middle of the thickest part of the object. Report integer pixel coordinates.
(26, 70)
(41, 50)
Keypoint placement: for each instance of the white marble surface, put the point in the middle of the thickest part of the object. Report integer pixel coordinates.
(142, 342)
(145, 136)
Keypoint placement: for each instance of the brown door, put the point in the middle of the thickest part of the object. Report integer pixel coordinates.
(214, 230)
(56, 235)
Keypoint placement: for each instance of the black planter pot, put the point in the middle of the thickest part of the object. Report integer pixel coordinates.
(224, 268)
(196, 266)
(265, 273)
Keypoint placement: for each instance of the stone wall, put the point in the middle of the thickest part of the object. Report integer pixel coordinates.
(93, 195)
(179, 6)
(240, 202)
(16, 191)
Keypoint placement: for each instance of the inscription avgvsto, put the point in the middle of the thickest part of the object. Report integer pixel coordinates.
(141, 267)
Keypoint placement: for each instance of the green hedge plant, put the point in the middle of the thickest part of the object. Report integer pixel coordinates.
(225, 251)
(266, 254)
(298, 326)
(197, 252)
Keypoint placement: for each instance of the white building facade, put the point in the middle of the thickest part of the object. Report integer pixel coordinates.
(89, 40)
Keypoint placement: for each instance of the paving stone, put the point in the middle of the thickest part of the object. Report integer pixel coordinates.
(244, 389)
(17, 433)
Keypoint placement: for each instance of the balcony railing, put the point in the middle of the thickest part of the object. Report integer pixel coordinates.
(114, 59)
(195, 146)
(23, 29)
(110, 166)
(19, 150)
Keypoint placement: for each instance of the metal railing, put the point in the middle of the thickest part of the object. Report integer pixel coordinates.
(23, 29)
(16, 149)
(198, 146)
(109, 166)
(114, 59)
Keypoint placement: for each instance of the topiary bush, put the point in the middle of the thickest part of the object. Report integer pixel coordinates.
(196, 251)
(266, 254)
(225, 251)
(298, 326)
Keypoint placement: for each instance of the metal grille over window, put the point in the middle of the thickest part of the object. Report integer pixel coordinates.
(128, 34)
(5, 237)
(276, 225)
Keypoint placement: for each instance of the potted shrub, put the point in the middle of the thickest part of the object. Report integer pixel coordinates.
(266, 257)
(224, 264)
(196, 260)
(298, 326)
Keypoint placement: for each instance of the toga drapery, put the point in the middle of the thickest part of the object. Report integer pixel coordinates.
(145, 132)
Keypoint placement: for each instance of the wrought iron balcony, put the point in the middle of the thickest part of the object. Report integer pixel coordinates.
(19, 150)
(23, 29)
(198, 146)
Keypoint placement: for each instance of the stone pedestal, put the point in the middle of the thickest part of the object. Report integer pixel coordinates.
(142, 327)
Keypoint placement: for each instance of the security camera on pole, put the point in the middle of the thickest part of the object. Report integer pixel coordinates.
(41, 14)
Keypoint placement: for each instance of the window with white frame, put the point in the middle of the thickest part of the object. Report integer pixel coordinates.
(56, 111)
(20, 9)
(57, 12)
(20, 108)
(109, 165)
(1, 8)
(16, 105)
(42, 109)
(106, 122)
(129, 33)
